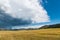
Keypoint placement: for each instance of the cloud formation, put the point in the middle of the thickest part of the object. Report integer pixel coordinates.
(26, 10)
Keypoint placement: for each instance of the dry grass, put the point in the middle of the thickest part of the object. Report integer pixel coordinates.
(42, 34)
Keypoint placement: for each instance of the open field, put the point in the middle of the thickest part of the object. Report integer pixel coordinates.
(42, 34)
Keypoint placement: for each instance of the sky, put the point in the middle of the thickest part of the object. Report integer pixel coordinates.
(53, 9)
(38, 11)
(26, 10)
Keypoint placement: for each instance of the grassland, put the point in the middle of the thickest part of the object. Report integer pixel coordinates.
(42, 34)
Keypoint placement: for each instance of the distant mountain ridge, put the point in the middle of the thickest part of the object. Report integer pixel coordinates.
(51, 26)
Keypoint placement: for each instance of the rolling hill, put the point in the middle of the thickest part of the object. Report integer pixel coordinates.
(51, 26)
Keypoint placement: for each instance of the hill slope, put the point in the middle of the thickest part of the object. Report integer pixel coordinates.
(51, 26)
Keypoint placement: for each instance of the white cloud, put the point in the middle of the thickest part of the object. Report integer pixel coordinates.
(4, 4)
(26, 9)
(27, 27)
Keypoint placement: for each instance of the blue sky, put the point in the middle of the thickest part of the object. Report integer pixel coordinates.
(45, 12)
(50, 11)
(53, 9)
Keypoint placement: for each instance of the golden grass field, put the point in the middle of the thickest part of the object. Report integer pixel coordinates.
(42, 34)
